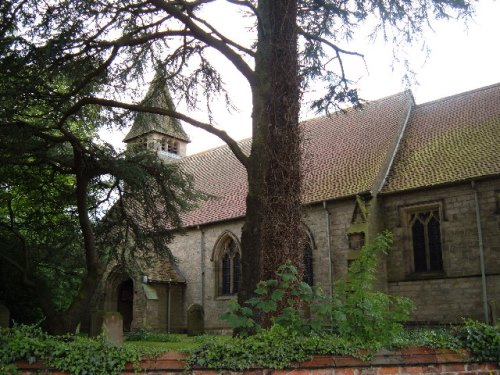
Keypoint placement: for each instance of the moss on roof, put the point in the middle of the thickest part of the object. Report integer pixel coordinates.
(449, 140)
(343, 155)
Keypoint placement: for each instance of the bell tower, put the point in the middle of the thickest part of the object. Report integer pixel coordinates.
(162, 134)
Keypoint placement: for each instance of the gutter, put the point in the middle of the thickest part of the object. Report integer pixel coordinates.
(395, 148)
(202, 265)
(169, 315)
(329, 244)
(481, 254)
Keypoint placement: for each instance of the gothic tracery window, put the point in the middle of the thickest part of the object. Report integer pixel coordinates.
(425, 229)
(229, 269)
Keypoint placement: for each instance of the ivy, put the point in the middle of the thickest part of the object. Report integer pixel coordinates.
(73, 354)
(148, 335)
(273, 348)
(481, 340)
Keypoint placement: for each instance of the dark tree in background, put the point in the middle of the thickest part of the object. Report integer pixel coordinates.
(84, 61)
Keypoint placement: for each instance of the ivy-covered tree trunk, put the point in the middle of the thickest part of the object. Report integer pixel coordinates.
(272, 232)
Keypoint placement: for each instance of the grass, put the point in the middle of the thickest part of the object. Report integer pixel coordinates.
(178, 343)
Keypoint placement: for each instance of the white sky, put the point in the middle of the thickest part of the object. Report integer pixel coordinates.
(461, 59)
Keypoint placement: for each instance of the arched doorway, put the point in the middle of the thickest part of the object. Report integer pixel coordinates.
(125, 302)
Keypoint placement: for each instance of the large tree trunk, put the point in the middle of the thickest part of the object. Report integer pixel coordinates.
(272, 232)
(69, 319)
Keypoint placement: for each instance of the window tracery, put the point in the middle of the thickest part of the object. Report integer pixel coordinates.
(425, 231)
(228, 267)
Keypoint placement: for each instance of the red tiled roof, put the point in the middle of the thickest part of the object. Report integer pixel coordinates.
(451, 139)
(343, 155)
(218, 173)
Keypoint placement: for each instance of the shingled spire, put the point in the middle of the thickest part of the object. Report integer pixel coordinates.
(161, 133)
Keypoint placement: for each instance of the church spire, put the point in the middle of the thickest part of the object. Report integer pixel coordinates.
(156, 132)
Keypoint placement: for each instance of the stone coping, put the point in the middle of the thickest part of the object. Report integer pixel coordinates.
(409, 361)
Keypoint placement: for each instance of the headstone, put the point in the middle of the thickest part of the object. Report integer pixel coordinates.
(108, 323)
(4, 316)
(112, 326)
(195, 320)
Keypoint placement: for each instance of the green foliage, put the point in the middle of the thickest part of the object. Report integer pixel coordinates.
(362, 312)
(284, 299)
(306, 322)
(274, 348)
(356, 311)
(430, 338)
(147, 335)
(482, 340)
(73, 354)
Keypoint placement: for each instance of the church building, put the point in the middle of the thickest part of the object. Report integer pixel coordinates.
(430, 173)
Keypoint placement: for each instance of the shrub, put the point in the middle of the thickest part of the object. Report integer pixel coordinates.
(482, 340)
(147, 335)
(74, 354)
(356, 310)
(362, 312)
(273, 348)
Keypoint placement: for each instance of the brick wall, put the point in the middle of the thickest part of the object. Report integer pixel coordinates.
(412, 361)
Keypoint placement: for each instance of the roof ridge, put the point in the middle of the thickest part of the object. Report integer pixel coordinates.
(308, 121)
(454, 96)
(353, 107)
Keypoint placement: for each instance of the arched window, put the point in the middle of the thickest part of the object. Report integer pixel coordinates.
(228, 266)
(426, 240)
(308, 264)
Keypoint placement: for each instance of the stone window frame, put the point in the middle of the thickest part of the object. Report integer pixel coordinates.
(227, 258)
(408, 246)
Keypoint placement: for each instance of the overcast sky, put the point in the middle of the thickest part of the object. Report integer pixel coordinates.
(461, 58)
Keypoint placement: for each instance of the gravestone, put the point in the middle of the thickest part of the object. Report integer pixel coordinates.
(112, 326)
(4, 316)
(108, 323)
(195, 320)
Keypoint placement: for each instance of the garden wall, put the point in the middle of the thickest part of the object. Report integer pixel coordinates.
(414, 361)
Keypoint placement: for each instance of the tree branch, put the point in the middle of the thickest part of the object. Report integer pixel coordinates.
(336, 48)
(233, 145)
(247, 4)
(209, 39)
(225, 39)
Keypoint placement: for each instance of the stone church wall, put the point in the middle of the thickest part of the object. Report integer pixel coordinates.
(444, 297)
(456, 292)
(195, 251)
